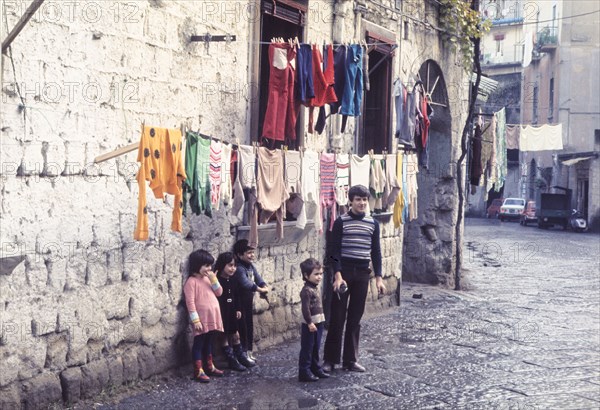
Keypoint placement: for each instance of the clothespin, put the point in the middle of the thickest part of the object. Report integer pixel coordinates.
(228, 38)
(297, 41)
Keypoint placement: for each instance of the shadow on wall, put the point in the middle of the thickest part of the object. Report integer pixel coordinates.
(182, 341)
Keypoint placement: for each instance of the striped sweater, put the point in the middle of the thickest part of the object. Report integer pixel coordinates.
(355, 241)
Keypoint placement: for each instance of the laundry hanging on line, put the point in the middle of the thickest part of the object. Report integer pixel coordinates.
(204, 180)
(541, 138)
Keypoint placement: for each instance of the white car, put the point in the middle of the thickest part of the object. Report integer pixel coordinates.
(511, 208)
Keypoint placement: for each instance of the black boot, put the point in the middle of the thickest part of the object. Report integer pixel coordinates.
(232, 361)
(240, 355)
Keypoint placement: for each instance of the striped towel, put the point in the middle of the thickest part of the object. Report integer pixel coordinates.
(215, 173)
(328, 185)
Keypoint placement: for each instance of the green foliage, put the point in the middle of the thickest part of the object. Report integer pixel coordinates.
(462, 25)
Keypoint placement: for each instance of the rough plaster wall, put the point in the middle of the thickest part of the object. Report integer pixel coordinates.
(88, 306)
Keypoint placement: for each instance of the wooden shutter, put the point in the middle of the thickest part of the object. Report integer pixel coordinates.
(293, 11)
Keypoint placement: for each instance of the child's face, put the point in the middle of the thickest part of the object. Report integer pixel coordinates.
(247, 256)
(358, 205)
(204, 270)
(315, 276)
(229, 269)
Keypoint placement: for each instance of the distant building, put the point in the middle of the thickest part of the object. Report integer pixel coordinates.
(501, 60)
(561, 86)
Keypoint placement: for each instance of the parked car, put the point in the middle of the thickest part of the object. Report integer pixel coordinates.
(528, 214)
(494, 208)
(511, 208)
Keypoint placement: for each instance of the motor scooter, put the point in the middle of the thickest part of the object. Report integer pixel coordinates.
(577, 221)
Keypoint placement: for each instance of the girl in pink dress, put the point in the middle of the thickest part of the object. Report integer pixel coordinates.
(201, 290)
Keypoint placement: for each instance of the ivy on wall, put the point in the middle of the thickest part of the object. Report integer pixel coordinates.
(462, 24)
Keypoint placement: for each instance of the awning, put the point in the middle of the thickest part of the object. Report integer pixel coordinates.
(486, 87)
(574, 161)
(575, 157)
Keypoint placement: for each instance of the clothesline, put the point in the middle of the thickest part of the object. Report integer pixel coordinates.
(132, 147)
(333, 44)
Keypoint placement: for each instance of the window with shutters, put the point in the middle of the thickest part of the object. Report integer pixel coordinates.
(279, 18)
(376, 117)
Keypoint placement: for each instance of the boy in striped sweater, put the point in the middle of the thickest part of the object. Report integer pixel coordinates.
(353, 244)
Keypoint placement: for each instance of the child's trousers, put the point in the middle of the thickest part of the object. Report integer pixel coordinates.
(310, 344)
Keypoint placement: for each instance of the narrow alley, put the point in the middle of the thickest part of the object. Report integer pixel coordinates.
(524, 335)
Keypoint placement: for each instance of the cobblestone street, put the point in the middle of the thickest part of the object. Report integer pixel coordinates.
(525, 334)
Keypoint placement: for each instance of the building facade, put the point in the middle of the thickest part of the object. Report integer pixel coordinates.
(560, 86)
(83, 305)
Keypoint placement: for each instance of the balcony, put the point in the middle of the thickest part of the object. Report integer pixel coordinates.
(547, 40)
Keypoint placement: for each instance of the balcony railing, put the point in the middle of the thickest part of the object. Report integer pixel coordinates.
(547, 39)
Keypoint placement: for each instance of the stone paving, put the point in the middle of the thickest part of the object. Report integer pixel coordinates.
(525, 334)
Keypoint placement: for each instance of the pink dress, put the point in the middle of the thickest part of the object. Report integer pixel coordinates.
(200, 298)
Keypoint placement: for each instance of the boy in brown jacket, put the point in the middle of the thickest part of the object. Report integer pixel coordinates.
(309, 369)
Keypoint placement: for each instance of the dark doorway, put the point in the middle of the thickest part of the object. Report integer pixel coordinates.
(271, 27)
(377, 104)
(583, 186)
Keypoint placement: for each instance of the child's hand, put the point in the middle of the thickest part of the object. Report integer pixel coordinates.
(263, 290)
(198, 326)
(312, 327)
(238, 315)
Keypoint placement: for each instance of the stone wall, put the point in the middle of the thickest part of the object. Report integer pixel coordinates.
(82, 306)
(430, 239)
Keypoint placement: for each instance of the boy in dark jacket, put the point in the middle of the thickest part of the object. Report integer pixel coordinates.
(312, 328)
(249, 281)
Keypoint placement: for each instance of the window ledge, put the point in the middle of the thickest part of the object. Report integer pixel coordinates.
(382, 215)
(267, 233)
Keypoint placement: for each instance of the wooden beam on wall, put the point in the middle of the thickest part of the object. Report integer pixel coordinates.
(33, 7)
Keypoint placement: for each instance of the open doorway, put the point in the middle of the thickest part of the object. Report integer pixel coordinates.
(583, 186)
(377, 104)
(276, 24)
(376, 118)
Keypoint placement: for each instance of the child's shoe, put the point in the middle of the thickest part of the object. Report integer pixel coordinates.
(232, 361)
(240, 355)
(199, 374)
(211, 369)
